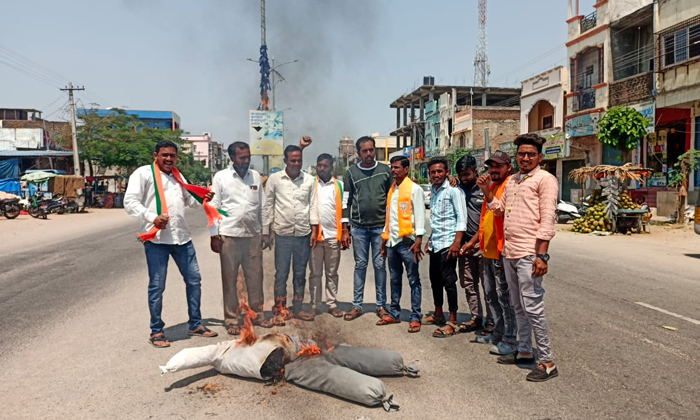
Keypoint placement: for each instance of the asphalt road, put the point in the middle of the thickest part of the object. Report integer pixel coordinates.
(75, 326)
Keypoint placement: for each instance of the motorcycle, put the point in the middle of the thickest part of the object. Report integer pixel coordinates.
(42, 207)
(566, 211)
(10, 207)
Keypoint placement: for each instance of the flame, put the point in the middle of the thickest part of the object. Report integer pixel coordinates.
(280, 309)
(330, 349)
(248, 336)
(310, 350)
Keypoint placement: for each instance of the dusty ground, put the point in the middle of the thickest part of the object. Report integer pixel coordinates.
(74, 342)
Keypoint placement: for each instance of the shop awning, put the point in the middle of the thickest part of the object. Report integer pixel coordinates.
(34, 153)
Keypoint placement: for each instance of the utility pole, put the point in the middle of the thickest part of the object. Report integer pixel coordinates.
(76, 158)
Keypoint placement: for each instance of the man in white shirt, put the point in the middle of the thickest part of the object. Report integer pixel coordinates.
(144, 200)
(329, 196)
(237, 238)
(403, 240)
(291, 213)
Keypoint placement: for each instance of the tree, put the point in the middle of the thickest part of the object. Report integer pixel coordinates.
(456, 154)
(688, 161)
(622, 128)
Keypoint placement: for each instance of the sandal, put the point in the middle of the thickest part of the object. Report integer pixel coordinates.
(335, 312)
(202, 331)
(382, 312)
(279, 321)
(305, 316)
(473, 325)
(233, 330)
(414, 327)
(434, 320)
(353, 314)
(445, 332)
(386, 320)
(159, 338)
(261, 322)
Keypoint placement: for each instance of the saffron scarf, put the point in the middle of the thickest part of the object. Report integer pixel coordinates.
(199, 194)
(338, 209)
(405, 211)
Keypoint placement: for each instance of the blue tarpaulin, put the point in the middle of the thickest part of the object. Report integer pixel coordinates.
(11, 186)
(9, 168)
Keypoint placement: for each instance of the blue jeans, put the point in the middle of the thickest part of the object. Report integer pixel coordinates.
(295, 251)
(398, 256)
(157, 256)
(362, 238)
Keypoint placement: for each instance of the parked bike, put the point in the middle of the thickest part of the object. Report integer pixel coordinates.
(42, 207)
(566, 211)
(10, 207)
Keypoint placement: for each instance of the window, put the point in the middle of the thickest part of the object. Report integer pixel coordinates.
(547, 122)
(681, 45)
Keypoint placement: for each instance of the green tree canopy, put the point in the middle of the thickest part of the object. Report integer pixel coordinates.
(622, 128)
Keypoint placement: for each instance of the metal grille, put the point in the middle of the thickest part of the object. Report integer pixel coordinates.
(679, 43)
(589, 22)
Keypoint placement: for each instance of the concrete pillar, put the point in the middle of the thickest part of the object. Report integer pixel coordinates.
(398, 117)
(405, 115)
(483, 99)
(421, 105)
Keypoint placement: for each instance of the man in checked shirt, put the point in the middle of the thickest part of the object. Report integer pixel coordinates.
(528, 206)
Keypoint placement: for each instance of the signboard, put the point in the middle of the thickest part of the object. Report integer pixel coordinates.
(266, 132)
(556, 147)
(647, 111)
(583, 125)
(276, 163)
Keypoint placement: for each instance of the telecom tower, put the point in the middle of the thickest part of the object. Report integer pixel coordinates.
(481, 62)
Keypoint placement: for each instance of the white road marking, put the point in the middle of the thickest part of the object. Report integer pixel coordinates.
(664, 311)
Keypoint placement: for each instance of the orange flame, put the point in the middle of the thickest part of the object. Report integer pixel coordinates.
(248, 335)
(280, 309)
(311, 350)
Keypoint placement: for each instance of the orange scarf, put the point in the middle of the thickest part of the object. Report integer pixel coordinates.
(497, 220)
(338, 209)
(404, 211)
(199, 194)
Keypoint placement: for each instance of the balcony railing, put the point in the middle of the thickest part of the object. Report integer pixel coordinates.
(589, 22)
(584, 99)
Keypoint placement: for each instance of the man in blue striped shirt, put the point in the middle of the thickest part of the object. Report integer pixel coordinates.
(448, 222)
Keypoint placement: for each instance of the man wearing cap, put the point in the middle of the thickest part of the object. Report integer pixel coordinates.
(491, 242)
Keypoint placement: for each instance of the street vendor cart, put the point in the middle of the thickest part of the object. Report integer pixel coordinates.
(611, 208)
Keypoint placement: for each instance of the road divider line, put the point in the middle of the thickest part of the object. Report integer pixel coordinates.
(664, 311)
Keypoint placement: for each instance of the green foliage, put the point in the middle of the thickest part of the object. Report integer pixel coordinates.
(123, 142)
(688, 161)
(622, 128)
(455, 155)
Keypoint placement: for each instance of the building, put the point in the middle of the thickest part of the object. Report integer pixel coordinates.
(163, 120)
(385, 146)
(677, 35)
(435, 120)
(346, 152)
(212, 154)
(27, 141)
(543, 110)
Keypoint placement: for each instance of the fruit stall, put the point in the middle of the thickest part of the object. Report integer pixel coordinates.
(610, 207)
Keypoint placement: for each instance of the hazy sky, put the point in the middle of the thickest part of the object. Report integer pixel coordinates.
(355, 56)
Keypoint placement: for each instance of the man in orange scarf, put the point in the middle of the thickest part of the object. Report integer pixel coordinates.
(329, 196)
(157, 194)
(403, 241)
(491, 242)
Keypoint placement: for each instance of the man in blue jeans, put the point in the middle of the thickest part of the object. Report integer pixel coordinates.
(148, 187)
(364, 207)
(403, 240)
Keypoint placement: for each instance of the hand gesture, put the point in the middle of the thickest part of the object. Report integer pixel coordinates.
(267, 241)
(345, 240)
(313, 241)
(209, 196)
(305, 142)
(484, 182)
(382, 249)
(161, 221)
(539, 268)
(417, 250)
(453, 252)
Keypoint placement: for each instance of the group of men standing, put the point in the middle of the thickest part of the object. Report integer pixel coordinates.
(496, 228)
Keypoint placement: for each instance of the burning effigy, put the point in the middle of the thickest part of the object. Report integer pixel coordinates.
(344, 371)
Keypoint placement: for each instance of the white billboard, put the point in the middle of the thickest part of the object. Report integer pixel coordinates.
(266, 132)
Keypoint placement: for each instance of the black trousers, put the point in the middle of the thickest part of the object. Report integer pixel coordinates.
(443, 275)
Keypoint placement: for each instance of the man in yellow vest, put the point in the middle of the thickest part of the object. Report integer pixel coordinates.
(403, 240)
(329, 196)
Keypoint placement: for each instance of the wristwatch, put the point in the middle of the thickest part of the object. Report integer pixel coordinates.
(543, 257)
